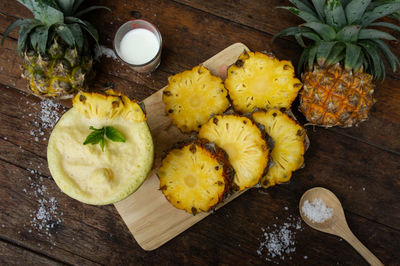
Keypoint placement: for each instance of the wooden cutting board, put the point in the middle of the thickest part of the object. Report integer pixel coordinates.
(151, 219)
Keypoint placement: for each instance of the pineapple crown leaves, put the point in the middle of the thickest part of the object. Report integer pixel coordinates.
(53, 18)
(340, 31)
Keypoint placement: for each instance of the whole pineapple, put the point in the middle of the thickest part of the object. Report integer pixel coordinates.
(343, 57)
(54, 46)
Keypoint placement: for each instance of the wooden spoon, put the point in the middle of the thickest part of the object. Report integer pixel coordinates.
(337, 224)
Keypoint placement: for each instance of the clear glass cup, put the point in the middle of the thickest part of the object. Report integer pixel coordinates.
(152, 64)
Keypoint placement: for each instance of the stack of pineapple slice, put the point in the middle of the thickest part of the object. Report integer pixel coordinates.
(195, 100)
(288, 145)
(260, 81)
(195, 176)
(244, 143)
(193, 96)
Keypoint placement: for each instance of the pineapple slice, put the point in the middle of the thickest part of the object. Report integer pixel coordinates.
(244, 143)
(86, 172)
(261, 81)
(194, 177)
(289, 145)
(193, 96)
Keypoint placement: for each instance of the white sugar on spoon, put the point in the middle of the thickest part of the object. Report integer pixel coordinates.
(316, 210)
(321, 210)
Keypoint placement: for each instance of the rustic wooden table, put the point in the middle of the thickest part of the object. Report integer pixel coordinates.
(41, 225)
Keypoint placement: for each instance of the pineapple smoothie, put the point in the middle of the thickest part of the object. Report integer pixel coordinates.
(104, 170)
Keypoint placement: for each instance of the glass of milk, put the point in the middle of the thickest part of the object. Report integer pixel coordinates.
(138, 43)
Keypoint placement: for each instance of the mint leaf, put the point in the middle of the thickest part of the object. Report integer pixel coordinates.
(93, 128)
(114, 134)
(102, 142)
(95, 137)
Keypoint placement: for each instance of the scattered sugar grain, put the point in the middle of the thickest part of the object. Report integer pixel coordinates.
(49, 113)
(45, 118)
(278, 241)
(46, 216)
(317, 211)
(305, 257)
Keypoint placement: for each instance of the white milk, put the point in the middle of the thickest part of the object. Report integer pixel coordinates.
(139, 46)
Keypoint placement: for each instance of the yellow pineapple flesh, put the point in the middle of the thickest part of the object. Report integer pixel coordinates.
(194, 177)
(333, 96)
(193, 96)
(244, 143)
(288, 148)
(261, 81)
(109, 105)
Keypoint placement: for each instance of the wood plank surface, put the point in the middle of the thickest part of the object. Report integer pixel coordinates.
(361, 164)
(15, 255)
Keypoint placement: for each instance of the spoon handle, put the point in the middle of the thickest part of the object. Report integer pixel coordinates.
(357, 245)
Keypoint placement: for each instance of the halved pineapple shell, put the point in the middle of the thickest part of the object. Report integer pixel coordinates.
(289, 140)
(194, 176)
(87, 172)
(193, 96)
(261, 81)
(244, 143)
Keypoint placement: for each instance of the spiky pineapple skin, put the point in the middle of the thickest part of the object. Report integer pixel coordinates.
(244, 142)
(289, 145)
(193, 96)
(261, 81)
(333, 96)
(194, 175)
(59, 74)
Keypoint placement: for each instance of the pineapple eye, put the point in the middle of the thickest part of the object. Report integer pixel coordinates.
(239, 63)
(115, 104)
(82, 98)
(215, 121)
(286, 67)
(193, 149)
